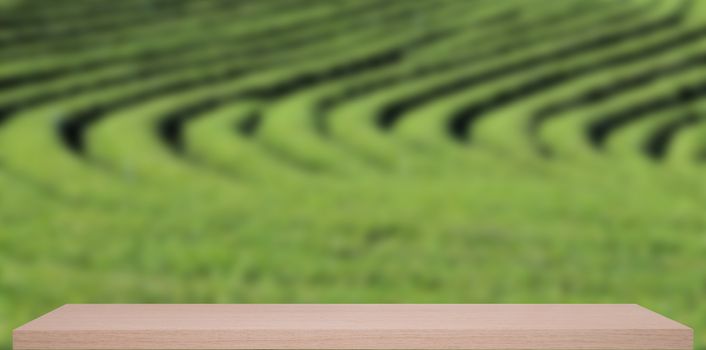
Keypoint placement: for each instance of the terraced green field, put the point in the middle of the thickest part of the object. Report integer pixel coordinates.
(466, 151)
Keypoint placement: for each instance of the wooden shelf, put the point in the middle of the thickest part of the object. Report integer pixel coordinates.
(352, 326)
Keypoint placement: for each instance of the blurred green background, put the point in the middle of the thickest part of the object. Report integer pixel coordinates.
(362, 151)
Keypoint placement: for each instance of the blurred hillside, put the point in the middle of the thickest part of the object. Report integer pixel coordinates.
(365, 151)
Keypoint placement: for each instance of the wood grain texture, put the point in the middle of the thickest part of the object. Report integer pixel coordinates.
(352, 326)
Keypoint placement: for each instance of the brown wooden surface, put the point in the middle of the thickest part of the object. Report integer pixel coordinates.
(352, 326)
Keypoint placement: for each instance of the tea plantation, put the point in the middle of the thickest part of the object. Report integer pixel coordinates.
(436, 151)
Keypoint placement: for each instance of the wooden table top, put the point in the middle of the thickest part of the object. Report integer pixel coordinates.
(352, 326)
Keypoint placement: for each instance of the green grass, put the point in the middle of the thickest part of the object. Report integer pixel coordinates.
(322, 205)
